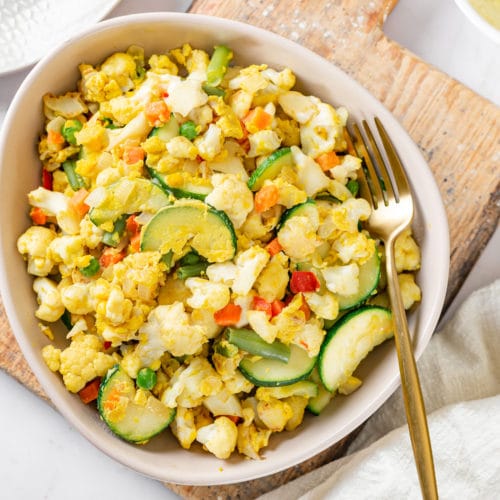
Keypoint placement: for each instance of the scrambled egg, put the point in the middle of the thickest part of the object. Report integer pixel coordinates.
(159, 120)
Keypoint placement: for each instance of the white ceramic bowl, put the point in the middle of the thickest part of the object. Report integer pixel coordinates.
(478, 21)
(163, 458)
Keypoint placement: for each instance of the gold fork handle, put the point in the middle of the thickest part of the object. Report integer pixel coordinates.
(412, 393)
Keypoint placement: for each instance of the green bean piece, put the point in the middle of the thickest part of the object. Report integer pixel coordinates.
(353, 186)
(218, 64)
(188, 130)
(249, 341)
(213, 90)
(167, 259)
(146, 378)
(91, 269)
(66, 319)
(192, 270)
(69, 129)
(191, 257)
(75, 179)
(112, 238)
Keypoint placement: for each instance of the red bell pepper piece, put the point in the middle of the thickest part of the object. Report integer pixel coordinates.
(304, 281)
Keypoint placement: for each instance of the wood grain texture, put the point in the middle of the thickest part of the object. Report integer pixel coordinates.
(457, 131)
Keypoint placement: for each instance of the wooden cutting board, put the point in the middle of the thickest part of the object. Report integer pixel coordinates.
(457, 131)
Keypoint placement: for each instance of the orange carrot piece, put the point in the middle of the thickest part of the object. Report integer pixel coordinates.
(55, 138)
(90, 392)
(110, 256)
(257, 119)
(266, 197)
(228, 315)
(133, 154)
(157, 113)
(328, 160)
(77, 201)
(132, 225)
(274, 247)
(38, 216)
(135, 242)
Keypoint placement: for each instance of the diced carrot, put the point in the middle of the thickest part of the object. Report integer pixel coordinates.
(157, 113)
(133, 154)
(110, 256)
(257, 119)
(274, 247)
(55, 138)
(135, 242)
(47, 179)
(328, 160)
(277, 306)
(260, 304)
(77, 201)
(228, 315)
(90, 392)
(38, 216)
(132, 225)
(266, 197)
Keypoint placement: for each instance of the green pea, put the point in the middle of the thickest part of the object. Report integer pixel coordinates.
(188, 130)
(146, 378)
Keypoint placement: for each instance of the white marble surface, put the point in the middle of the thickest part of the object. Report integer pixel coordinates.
(41, 455)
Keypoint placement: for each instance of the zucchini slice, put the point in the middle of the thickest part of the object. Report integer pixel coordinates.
(306, 209)
(167, 131)
(369, 275)
(349, 341)
(322, 398)
(273, 373)
(270, 168)
(191, 223)
(127, 196)
(131, 421)
(188, 189)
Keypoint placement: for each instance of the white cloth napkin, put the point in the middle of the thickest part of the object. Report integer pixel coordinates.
(460, 377)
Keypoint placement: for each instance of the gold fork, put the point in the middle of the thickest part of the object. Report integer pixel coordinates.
(392, 212)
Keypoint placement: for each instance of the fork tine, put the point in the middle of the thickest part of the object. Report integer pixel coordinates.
(372, 180)
(364, 189)
(384, 177)
(398, 170)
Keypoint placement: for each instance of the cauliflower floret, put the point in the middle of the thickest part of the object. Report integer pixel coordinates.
(180, 147)
(323, 132)
(343, 280)
(219, 438)
(140, 275)
(347, 169)
(407, 252)
(120, 67)
(185, 95)
(223, 403)
(273, 280)
(34, 244)
(410, 291)
(91, 234)
(249, 79)
(77, 298)
(93, 136)
(354, 247)
(251, 440)
(52, 357)
(300, 107)
(324, 305)
(190, 385)
(259, 322)
(298, 237)
(184, 427)
(240, 102)
(310, 336)
(232, 196)
(69, 105)
(207, 295)
(168, 328)
(284, 79)
(66, 250)
(222, 272)
(210, 143)
(96, 85)
(274, 413)
(310, 177)
(54, 203)
(205, 319)
(50, 306)
(162, 64)
(83, 361)
(346, 216)
(250, 264)
(227, 121)
(117, 309)
(263, 142)
(289, 195)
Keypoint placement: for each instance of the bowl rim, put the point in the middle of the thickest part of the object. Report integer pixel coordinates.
(33, 358)
(478, 21)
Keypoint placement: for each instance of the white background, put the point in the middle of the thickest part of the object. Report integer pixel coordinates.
(41, 455)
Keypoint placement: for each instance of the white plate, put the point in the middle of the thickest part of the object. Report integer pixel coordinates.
(31, 28)
(478, 21)
(163, 458)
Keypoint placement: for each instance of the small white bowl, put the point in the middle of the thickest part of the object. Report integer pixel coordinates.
(163, 458)
(475, 18)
